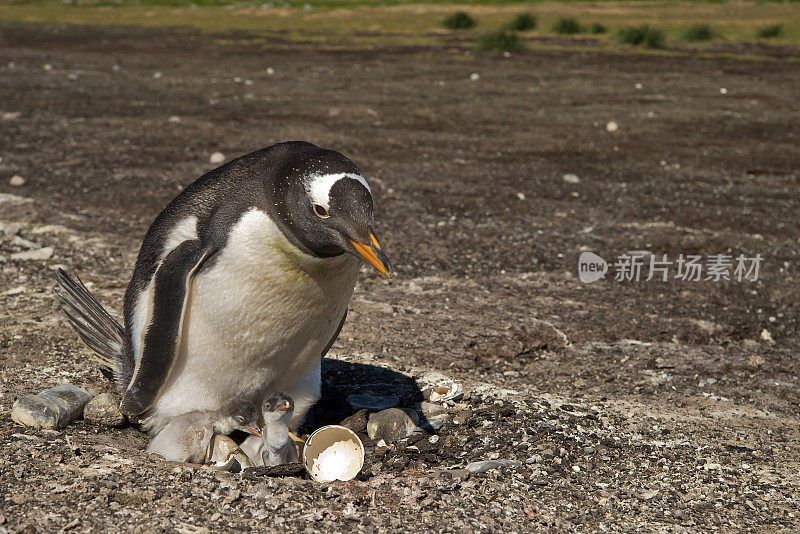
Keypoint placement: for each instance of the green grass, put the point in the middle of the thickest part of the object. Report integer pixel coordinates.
(459, 21)
(522, 23)
(699, 32)
(770, 32)
(567, 25)
(501, 41)
(597, 28)
(644, 35)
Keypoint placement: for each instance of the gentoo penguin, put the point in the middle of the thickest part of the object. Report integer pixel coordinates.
(188, 437)
(275, 446)
(240, 287)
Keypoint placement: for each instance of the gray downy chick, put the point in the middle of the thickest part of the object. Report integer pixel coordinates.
(275, 447)
(187, 437)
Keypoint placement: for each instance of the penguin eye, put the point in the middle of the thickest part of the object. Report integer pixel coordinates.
(321, 211)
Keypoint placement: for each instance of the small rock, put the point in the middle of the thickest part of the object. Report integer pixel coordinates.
(103, 410)
(765, 335)
(486, 465)
(371, 402)
(270, 71)
(474, 76)
(571, 178)
(9, 229)
(44, 253)
(612, 126)
(392, 425)
(17, 180)
(436, 422)
(54, 408)
(216, 158)
(174, 118)
(521, 195)
(430, 409)
(463, 417)
(723, 91)
(356, 422)
(24, 243)
(157, 75)
(15, 291)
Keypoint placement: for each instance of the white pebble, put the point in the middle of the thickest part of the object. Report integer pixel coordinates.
(17, 180)
(237, 80)
(174, 118)
(115, 68)
(637, 85)
(571, 178)
(47, 66)
(576, 468)
(521, 195)
(270, 71)
(216, 157)
(612, 126)
(474, 76)
(157, 75)
(248, 82)
(723, 91)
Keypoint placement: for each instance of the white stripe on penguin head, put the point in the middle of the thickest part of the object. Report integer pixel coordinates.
(318, 186)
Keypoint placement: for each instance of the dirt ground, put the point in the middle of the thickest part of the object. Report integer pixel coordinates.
(652, 406)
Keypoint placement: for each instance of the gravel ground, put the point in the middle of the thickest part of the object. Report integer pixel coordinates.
(649, 406)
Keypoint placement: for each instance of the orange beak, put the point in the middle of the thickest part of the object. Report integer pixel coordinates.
(253, 430)
(374, 255)
(285, 407)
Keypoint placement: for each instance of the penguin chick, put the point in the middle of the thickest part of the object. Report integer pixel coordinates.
(275, 447)
(187, 438)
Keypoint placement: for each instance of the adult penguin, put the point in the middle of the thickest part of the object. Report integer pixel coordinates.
(241, 286)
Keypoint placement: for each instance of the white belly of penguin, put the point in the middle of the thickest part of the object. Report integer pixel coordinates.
(256, 321)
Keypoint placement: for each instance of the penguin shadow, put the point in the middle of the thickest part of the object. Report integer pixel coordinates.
(341, 379)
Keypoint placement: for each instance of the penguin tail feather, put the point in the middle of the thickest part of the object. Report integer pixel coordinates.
(96, 327)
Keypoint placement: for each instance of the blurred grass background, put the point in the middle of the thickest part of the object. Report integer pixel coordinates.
(361, 23)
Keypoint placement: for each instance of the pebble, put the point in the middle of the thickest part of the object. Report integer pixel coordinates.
(270, 71)
(44, 253)
(9, 229)
(612, 126)
(17, 180)
(24, 243)
(571, 178)
(54, 408)
(436, 422)
(463, 417)
(103, 410)
(216, 157)
(392, 425)
(430, 409)
(487, 465)
(356, 422)
(474, 76)
(174, 118)
(375, 403)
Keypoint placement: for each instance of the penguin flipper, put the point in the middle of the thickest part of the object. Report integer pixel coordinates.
(163, 337)
(335, 336)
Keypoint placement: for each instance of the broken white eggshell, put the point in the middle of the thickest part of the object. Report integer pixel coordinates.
(333, 453)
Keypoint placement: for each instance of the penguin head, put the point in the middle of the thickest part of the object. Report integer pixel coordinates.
(239, 414)
(277, 407)
(326, 205)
